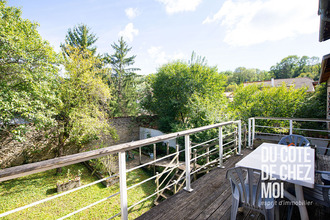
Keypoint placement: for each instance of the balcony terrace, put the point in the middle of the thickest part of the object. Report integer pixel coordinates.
(205, 162)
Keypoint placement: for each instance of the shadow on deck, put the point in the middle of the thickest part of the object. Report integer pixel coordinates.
(211, 199)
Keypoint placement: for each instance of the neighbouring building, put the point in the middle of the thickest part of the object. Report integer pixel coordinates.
(324, 35)
(296, 82)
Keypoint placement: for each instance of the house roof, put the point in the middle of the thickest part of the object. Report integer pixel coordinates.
(296, 82)
(324, 9)
(325, 68)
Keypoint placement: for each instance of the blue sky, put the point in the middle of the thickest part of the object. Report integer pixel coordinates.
(229, 33)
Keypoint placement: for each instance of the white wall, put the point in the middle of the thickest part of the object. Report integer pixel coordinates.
(148, 133)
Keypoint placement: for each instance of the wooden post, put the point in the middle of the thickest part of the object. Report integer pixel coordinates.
(167, 148)
(207, 157)
(157, 184)
(187, 162)
(140, 155)
(175, 187)
(194, 164)
(123, 186)
(154, 158)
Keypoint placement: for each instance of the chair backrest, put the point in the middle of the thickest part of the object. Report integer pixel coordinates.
(320, 193)
(295, 140)
(249, 188)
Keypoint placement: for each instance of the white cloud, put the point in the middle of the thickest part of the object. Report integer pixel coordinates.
(129, 32)
(252, 22)
(159, 57)
(175, 6)
(132, 12)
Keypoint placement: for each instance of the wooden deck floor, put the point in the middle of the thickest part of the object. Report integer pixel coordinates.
(211, 199)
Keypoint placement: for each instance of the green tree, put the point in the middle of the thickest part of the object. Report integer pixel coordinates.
(79, 37)
(27, 74)
(82, 113)
(176, 86)
(258, 100)
(123, 79)
(293, 66)
(242, 75)
(315, 104)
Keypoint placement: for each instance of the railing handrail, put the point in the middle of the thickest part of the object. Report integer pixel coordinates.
(294, 119)
(27, 169)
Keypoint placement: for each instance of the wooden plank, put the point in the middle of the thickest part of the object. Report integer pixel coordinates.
(23, 170)
(203, 190)
(222, 209)
(186, 205)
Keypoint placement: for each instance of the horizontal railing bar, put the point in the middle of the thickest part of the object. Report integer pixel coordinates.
(261, 126)
(202, 167)
(307, 129)
(195, 158)
(312, 138)
(197, 145)
(151, 162)
(230, 151)
(54, 197)
(150, 178)
(150, 196)
(87, 207)
(294, 128)
(114, 216)
(23, 170)
(270, 134)
(294, 119)
(230, 142)
(224, 136)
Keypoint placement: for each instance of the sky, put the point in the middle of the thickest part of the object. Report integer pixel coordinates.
(229, 33)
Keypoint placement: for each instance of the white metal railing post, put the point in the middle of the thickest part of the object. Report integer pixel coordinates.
(123, 186)
(220, 148)
(249, 134)
(239, 137)
(291, 126)
(187, 161)
(253, 130)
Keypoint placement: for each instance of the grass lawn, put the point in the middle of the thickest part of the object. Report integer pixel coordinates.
(25, 190)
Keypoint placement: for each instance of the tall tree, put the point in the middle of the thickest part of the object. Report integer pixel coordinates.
(27, 74)
(123, 79)
(294, 66)
(176, 85)
(82, 112)
(79, 37)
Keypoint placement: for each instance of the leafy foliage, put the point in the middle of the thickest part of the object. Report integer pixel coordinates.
(294, 66)
(83, 111)
(259, 100)
(315, 104)
(123, 79)
(176, 86)
(242, 75)
(79, 37)
(27, 74)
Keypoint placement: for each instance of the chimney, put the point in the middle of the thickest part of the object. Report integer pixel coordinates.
(272, 82)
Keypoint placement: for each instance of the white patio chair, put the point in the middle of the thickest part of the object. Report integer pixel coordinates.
(247, 193)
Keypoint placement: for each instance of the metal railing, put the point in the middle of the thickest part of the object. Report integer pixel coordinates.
(270, 126)
(224, 147)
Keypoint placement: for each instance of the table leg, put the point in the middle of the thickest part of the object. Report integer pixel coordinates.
(300, 198)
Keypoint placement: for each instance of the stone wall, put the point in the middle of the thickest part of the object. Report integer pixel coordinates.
(38, 148)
